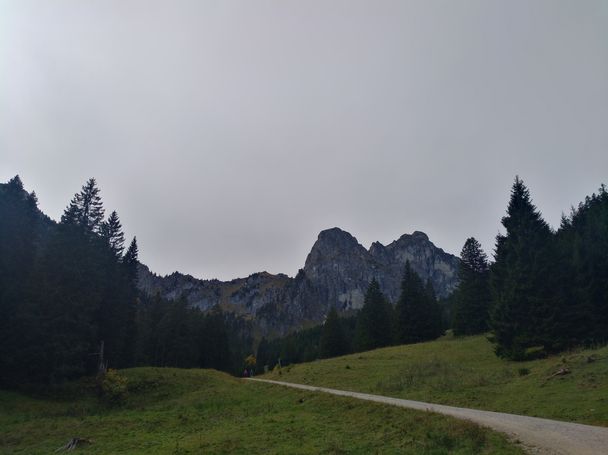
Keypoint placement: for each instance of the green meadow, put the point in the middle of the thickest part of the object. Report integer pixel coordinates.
(465, 372)
(175, 411)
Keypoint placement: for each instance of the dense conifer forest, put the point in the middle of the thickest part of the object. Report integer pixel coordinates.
(69, 303)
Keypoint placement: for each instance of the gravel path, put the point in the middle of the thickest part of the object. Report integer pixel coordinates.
(542, 436)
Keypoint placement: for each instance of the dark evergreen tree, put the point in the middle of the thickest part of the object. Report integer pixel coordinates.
(374, 323)
(263, 353)
(130, 263)
(20, 224)
(74, 283)
(131, 257)
(215, 349)
(418, 314)
(436, 324)
(583, 245)
(472, 297)
(176, 336)
(333, 343)
(111, 232)
(85, 209)
(526, 309)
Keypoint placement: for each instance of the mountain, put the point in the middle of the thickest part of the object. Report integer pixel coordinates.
(336, 274)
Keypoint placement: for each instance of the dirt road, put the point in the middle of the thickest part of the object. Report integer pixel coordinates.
(542, 436)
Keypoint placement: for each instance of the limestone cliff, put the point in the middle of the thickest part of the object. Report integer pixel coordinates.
(336, 273)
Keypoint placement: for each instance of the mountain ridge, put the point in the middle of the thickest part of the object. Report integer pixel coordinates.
(336, 273)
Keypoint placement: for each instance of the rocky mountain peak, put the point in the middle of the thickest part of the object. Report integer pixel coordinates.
(332, 244)
(377, 249)
(335, 238)
(336, 274)
(420, 235)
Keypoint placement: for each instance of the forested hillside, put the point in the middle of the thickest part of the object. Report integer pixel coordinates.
(546, 291)
(70, 303)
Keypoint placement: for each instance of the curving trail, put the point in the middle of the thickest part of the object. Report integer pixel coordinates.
(542, 436)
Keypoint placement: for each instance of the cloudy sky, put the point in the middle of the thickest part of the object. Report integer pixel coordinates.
(227, 134)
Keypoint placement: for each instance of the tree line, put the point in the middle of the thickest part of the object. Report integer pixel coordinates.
(64, 287)
(171, 333)
(69, 299)
(546, 290)
(67, 287)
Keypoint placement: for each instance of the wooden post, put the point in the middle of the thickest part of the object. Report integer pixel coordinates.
(101, 369)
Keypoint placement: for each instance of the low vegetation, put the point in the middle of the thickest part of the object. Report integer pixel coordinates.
(572, 386)
(173, 411)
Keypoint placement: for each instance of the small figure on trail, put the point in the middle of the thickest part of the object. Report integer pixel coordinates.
(250, 362)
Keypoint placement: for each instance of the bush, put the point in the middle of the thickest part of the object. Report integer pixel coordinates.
(113, 388)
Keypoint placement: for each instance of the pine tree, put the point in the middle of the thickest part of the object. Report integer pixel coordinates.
(418, 314)
(333, 343)
(85, 209)
(111, 232)
(374, 323)
(215, 349)
(115, 312)
(583, 246)
(130, 262)
(176, 333)
(471, 311)
(263, 353)
(131, 257)
(436, 326)
(20, 226)
(525, 309)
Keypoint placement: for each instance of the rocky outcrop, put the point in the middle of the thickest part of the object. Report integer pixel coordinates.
(336, 273)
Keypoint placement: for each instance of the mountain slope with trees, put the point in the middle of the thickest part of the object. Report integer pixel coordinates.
(336, 274)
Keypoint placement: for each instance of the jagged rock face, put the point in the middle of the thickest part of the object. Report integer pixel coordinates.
(430, 262)
(340, 268)
(343, 268)
(336, 273)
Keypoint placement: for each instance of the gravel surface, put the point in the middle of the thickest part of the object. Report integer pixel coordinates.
(541, 436)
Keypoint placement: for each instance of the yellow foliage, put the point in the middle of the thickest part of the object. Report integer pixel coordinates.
(250, 361)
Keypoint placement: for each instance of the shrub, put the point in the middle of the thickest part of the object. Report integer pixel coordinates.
(523, 371)
(113, 388)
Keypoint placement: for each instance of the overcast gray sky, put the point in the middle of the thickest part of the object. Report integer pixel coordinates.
(227, 134)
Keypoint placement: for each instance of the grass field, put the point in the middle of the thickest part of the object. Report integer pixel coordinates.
(465, 372)
(171, 411)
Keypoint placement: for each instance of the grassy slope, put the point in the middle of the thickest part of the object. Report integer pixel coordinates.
(465, 372)
(202, 411)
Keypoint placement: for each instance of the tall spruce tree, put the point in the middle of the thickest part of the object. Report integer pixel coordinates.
(215, 348)
(130, 262)
(85, 208)
(526, 309)
(20, 224)
(374, 323)
(111, 232)
(418, 315)
(472, 305)
(333, 342)
(263, 353)
(437, 326)
(116, 313)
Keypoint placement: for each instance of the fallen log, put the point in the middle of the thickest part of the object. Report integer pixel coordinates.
(72, 444)
(561, 372)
